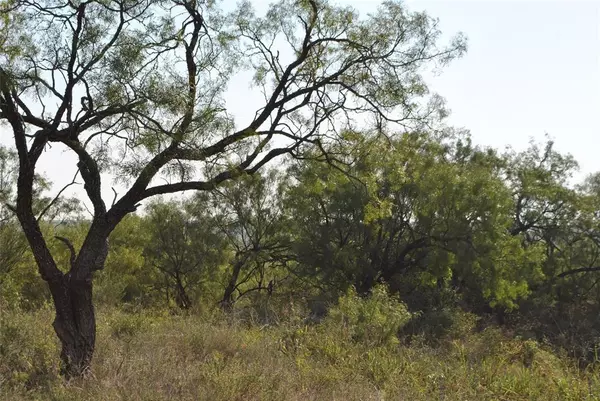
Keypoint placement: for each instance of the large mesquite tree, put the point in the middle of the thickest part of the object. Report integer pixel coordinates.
(135, 88)
(416, 212)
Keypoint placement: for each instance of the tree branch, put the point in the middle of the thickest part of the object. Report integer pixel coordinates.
(579, 270)
(73, 254)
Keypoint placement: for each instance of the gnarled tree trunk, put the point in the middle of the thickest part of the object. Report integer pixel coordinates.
(75, 323)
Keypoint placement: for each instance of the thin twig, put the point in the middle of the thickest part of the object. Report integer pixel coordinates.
(69, 245)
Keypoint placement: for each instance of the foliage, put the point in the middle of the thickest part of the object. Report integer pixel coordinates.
(374, 320)
(435, 326)
(26, 351)
(249, 215)
(425, 212)
(126, 276)
(186, 248)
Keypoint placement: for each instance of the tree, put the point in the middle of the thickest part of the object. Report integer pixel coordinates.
(414, 212)
(185, 247)
(574, 249)
(538, 180)
(552, 215)
(135, 88)
(248, 213)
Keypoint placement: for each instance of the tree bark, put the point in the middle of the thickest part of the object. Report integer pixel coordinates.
(181, 298)
(75, 321)
(74, 324)
(227, 301)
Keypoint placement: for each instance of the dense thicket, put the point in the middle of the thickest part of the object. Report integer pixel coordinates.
(445, 225)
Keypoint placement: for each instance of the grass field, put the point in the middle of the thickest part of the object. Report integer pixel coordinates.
(206, 355)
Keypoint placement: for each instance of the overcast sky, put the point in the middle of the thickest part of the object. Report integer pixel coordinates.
(533, 67)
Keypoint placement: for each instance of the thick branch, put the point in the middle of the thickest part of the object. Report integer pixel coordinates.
(91, 177)
(579, 270)
(218, 179)
(24, 207)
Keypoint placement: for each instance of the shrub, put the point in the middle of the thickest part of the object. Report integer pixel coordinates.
(127, 324)
(440, 324)
(27, 350)
(374, 320)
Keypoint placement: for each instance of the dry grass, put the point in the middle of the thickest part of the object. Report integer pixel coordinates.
(207, 356)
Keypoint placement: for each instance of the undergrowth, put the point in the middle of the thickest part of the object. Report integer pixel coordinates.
(353, 354)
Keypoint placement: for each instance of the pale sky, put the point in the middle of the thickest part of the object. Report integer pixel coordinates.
(533, 67)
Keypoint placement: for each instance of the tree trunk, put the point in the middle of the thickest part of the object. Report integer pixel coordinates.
(227, 301)
(181, 298)
(75, 321)
(365, 282)
(74, 324)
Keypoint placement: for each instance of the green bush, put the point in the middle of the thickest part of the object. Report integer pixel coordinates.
(374, 320)
(440, 324)
(28, 349)
(127, 324)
